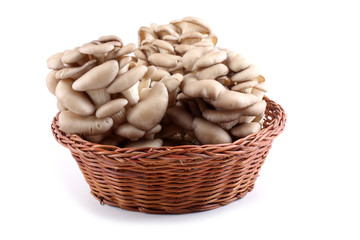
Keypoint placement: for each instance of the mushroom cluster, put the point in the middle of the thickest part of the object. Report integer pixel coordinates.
(176, 87)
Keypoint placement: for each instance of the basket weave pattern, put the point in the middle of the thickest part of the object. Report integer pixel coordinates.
(178, 179)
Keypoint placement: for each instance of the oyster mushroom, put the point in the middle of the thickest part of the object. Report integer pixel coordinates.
(223, 116)
(164, 60)
(127, 83)
(52, 81)
(247, 74)
(181, 117)
(172, 84)
(75, 72)
(55, 61)
(213, 72)
(118, 52)
(128, 131)
(77, 102)
(70, 122)
(147, 113)
(246, 129)
(114, 109)
(96, 80)
(192, 24)
(163, 46)
(210, 133)
(97, 49)
(72, 56)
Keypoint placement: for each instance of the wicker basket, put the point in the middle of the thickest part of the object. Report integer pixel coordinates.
(179, 179)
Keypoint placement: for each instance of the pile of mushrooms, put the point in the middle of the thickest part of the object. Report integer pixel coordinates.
(176, 87)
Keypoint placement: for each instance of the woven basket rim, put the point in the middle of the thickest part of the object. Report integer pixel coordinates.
(278, 124)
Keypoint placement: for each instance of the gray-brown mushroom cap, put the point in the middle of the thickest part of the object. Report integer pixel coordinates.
(52, 81)
(70, 122)
(75, 72)
(223, 116)
(55, 62)
(164, 60)
(98, 77)
(246, 129)
(72, 56)
(230, 100)
(209, 133)
(127, 79)
(181, 117)
(129, 131)
(92, 48)
(110, 108)
(77, 102)
(149, 112)
(190, 24)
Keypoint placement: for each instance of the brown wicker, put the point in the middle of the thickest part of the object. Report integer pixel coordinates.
(178, 179)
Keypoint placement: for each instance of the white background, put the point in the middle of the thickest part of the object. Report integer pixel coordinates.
(309, 52)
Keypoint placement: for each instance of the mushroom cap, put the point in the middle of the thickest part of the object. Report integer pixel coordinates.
(191, 35)
(245, 85)
(163, 45)
(72, 56)
(145, 33)
(52, 81)
(77, 102)
(223, 116)
(98, 77)
(128, 48)
(159, 74)
(246, 129)
(210, 58)
(190, 24)
(167, 30)
(154, 130)
(183, 48)
(153, 143)
(55, 62)
(207, 88)
(127, 79)
(110, 38)
(92, 48)
(149, 112)
(60, 106)
(181, 117)
(164, 60)
(123, 61)
(75, 72)
(144, 93)
(149, 74)
(209, 133)
(129, 131)
(213, 71)
(70, 122)
(245, 75)
(229, 100)
(110, 108)
(191, 56)
(262, 86)
(171, 82)
(236, 62)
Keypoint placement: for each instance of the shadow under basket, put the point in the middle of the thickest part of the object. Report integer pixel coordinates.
(180, 179)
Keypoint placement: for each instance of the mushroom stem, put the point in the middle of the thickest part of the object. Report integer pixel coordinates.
(132, 94)
(99, 96)
(119, 117)
(101, 57)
